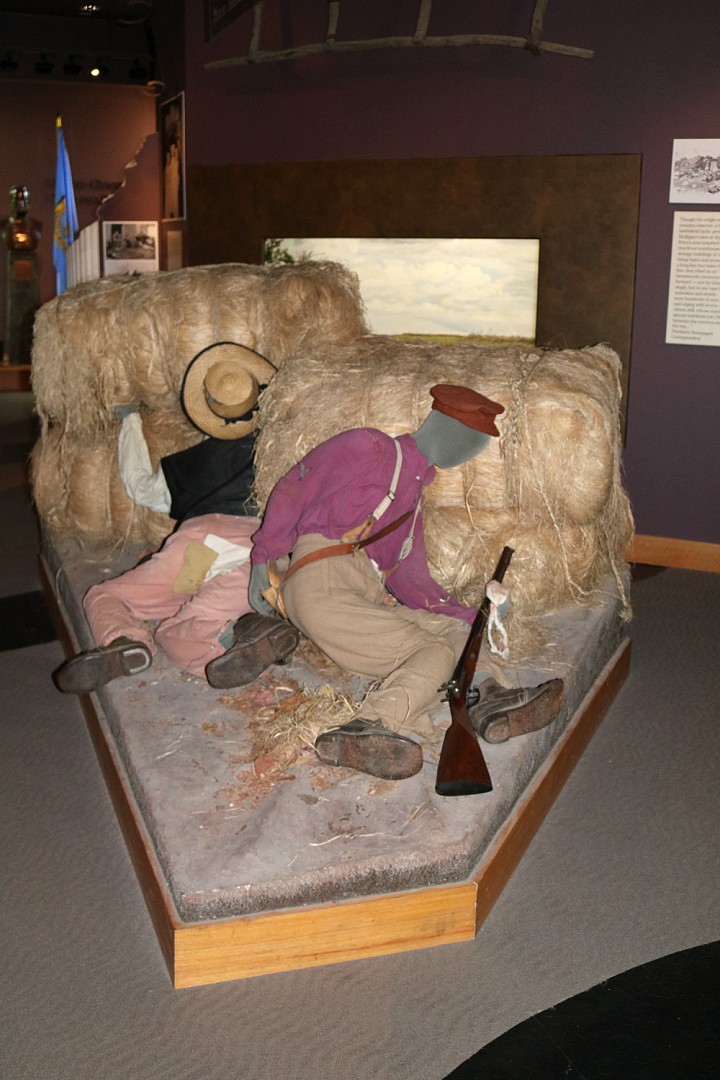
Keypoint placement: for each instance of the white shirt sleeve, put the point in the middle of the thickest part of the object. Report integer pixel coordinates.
(145, 487)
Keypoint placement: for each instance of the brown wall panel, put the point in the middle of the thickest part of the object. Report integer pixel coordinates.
(584, 210)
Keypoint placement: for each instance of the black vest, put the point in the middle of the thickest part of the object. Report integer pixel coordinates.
(214, 477)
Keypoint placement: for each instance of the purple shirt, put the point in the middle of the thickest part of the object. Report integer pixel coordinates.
(336, 487)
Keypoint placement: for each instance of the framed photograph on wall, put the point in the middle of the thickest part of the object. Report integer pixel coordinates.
(172, 144)
(129, 247)
(695, 176)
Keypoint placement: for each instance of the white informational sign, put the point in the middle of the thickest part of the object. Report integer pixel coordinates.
(693, 316)
(130, 247)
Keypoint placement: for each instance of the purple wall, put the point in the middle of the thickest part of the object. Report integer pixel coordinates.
(654, 77)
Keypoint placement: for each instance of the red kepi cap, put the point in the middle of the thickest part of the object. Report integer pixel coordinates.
(466, 405)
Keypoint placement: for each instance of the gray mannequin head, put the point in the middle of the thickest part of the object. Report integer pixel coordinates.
(459, 426)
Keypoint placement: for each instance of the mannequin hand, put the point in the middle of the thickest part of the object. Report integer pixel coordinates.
(121, 411)
(259, 582)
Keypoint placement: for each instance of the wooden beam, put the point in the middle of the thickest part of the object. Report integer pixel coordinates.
(423, 21)
(333, 16)
(254, 46)
(455, 41)
(536, 26)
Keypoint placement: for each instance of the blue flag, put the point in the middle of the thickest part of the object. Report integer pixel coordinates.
(66, 222)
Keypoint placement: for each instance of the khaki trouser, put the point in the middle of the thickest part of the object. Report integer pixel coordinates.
(341, 604)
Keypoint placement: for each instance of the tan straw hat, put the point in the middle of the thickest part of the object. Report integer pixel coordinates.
(221, 386)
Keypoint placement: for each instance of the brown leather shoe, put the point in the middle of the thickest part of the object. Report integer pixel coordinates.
(92, 669)
(368, 747)
(501, 714)
(259, 641)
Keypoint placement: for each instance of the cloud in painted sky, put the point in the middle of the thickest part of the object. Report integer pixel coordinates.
(462, 286)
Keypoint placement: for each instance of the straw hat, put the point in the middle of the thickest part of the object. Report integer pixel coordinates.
(220, 389)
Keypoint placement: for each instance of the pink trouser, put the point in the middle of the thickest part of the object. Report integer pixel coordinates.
(190, 624)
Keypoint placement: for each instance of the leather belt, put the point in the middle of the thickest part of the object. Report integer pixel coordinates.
(347, 548)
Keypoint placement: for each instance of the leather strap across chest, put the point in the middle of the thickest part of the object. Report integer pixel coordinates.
(347, 548)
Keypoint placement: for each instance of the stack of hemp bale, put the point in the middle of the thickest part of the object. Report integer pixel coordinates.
(129, 339)
(550, 486)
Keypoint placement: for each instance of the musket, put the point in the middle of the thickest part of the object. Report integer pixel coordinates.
(462, 769)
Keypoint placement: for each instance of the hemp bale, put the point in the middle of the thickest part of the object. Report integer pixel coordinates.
(77, 357)
(131, 337)
(550, 486)
(77, 489)
(77, 486)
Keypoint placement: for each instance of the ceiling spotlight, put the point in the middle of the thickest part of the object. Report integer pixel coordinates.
(138, 71)
(44, 66)
(89, 9)
(99, 71)
(72, 67)
(8, 63)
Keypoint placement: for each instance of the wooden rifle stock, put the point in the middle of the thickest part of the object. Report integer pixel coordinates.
(462, 769)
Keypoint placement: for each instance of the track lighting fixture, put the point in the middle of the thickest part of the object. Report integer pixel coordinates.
(8, 63)
(72, 67)
(99, 70)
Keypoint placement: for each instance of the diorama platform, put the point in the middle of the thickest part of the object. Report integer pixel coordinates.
(251, 866)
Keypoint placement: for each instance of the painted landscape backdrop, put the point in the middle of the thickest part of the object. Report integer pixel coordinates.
(441, 290)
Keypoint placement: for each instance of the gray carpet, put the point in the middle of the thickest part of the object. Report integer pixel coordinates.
(625, 869)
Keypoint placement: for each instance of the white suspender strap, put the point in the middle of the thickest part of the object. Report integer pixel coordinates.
(387, 501)
(408, 541)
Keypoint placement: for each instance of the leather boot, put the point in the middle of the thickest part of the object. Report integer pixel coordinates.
(258, 642)
(368, 747)
(90, 670)
(501, 714)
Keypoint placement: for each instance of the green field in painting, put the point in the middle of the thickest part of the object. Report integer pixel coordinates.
(466, 339)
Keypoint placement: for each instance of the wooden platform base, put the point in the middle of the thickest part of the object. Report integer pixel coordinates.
(682, 554)
(235, 948)
(15, 377)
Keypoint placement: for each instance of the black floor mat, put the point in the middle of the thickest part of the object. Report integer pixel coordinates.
(25, 620)
(660, 1021)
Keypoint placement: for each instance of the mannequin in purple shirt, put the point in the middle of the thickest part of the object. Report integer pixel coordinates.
(378, 612)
